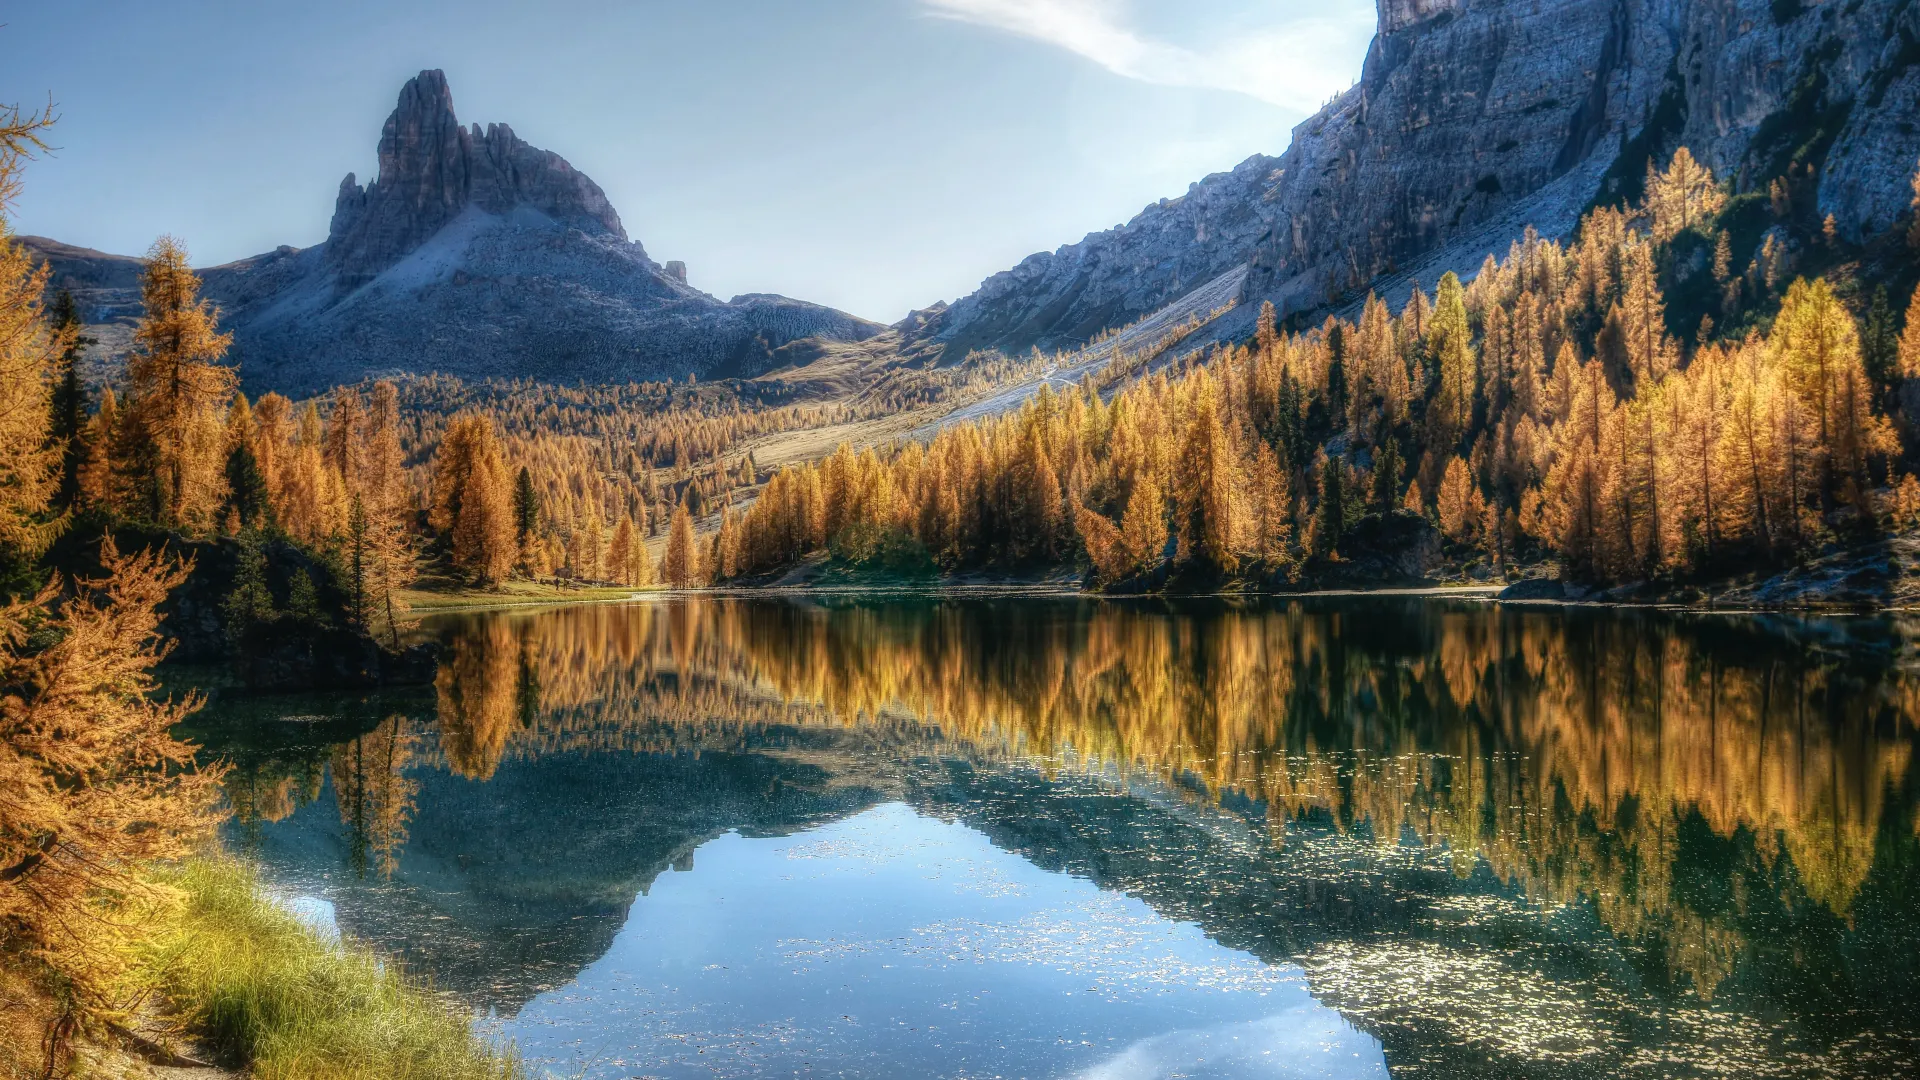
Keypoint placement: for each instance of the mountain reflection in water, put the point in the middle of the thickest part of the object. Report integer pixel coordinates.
(1500, 842)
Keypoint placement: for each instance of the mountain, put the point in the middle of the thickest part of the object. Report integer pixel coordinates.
(471, 253)
(1473, 119)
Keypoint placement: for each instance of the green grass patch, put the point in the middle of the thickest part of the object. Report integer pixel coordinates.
(264, 990)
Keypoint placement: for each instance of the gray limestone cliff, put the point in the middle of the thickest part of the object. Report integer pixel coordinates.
(1473, 119)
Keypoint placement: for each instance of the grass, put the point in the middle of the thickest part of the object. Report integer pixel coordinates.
(265, 990)
(424, 601)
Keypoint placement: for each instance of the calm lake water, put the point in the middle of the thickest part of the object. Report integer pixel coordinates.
(1026, 837)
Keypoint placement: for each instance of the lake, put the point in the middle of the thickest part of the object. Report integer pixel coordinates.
(1064, 837)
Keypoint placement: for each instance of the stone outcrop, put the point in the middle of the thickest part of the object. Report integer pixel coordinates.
(432, 169)
(471, 253)
(1473, 119)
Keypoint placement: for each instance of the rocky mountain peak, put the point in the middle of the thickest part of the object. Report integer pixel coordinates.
(1473, 120)
(432, 169)
(1397, 15)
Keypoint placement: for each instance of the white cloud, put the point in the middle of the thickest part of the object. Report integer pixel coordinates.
(1297, 64)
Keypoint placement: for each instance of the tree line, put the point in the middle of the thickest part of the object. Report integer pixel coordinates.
(1544, 410)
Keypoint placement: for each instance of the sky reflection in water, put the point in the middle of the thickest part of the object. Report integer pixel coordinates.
(895, 944)
(1056, 838)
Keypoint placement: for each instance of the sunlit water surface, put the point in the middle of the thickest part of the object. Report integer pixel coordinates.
(1064, 838)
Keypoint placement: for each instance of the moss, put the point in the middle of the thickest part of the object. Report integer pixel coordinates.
(264, 990)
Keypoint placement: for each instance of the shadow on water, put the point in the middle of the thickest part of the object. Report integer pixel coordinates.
(1503, 842)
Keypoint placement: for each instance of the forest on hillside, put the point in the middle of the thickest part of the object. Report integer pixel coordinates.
(1548, 411)
(1693, 385)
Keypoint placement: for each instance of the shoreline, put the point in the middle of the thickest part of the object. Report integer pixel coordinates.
(470, 602)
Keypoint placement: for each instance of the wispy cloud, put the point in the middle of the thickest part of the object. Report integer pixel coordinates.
(1296, 64)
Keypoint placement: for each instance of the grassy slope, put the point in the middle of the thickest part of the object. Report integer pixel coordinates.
(261, 988)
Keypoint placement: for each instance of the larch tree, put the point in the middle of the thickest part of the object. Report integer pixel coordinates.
(1682, 197)
(346, 429)
(1456, 501)
(95, 784)
(1143, 531)
(390, 508)
(1910, 339)
(1450, 353)
(178, 389)
(483, 533)
(620, 553)
(681, 567)
(1642, 317)
(29, 349)
(99, 487)
(1817, 344)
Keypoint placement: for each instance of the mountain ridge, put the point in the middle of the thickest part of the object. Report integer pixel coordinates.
(470, 253)
(1472, 120)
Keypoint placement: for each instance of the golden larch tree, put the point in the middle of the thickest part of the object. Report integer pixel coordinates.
(178, 390)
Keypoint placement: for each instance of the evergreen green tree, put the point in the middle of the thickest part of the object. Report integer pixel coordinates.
(1337, 379)
(1330, 518)
(249, 602)
(69, 402)
(303, 597)
(526, 507)
(1386, 477)
(357, 561)
(247, 489)
(1880, 344)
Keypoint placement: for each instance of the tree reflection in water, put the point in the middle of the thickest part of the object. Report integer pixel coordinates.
(1705, 823)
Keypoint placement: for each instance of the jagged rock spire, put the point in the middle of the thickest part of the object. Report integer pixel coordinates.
(432, 170)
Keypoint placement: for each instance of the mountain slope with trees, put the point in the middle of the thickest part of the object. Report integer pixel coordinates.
(1472, 120)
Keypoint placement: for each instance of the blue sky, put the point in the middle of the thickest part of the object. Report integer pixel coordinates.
(876, 155)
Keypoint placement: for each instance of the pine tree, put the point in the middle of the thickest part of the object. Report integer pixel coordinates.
(358, 560)
(249, 603)
(1337, 404)
(1386, 477)
(526, 507)
(247, 494)
(1330, 517)
(1880, 344)
(69, 405)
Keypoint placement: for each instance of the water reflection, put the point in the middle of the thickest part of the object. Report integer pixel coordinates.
(1531, 842)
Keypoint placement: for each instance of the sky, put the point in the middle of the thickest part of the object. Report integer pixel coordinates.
(874, 155)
